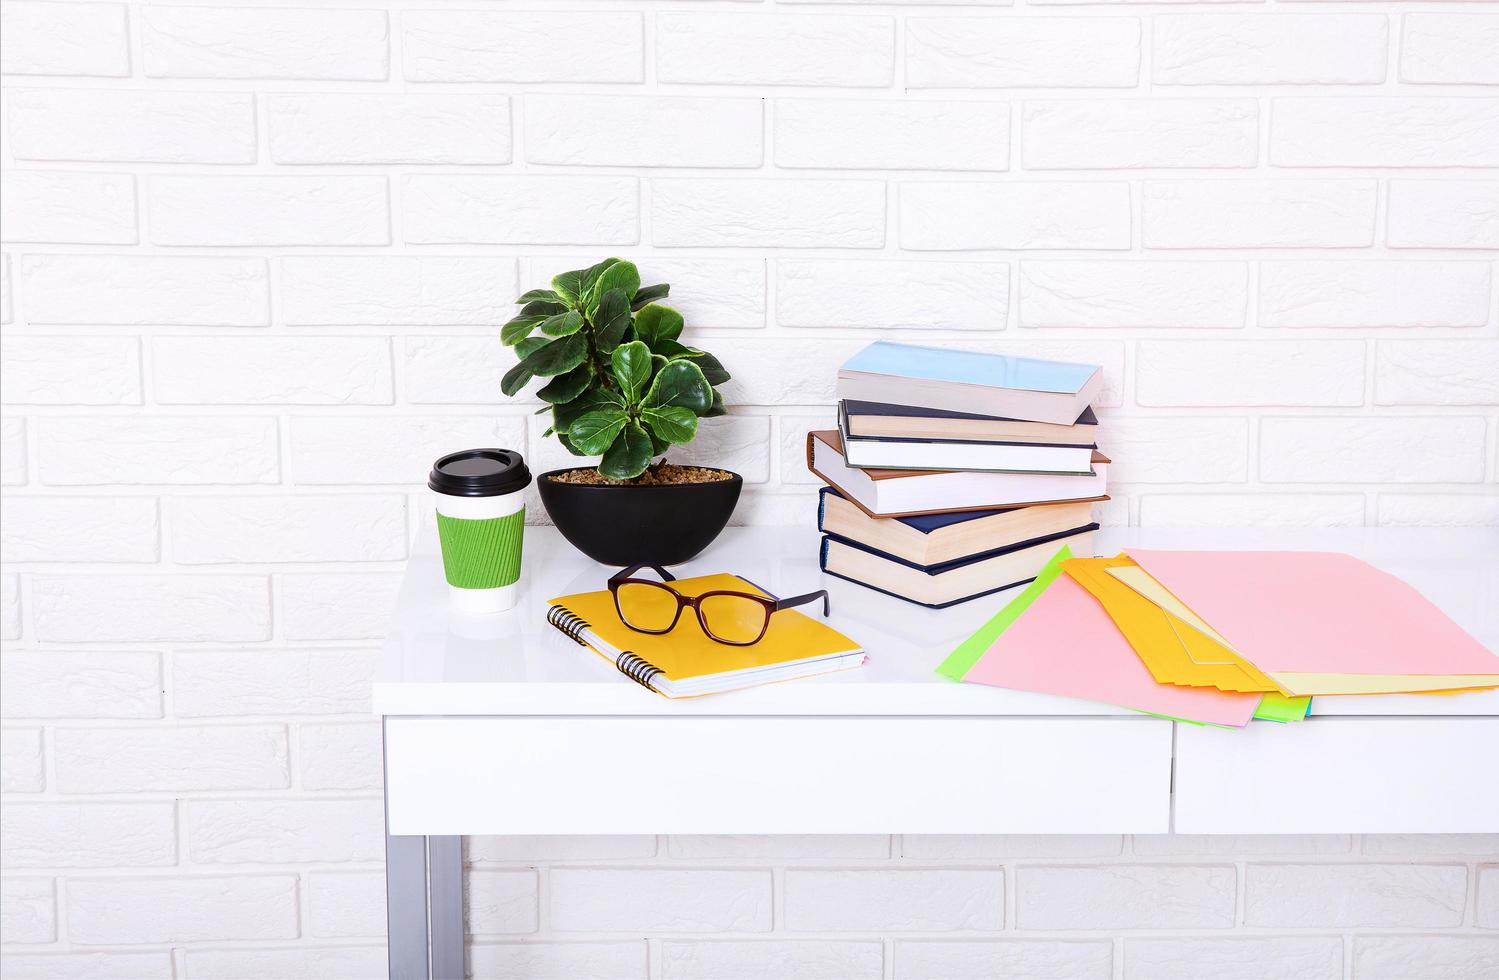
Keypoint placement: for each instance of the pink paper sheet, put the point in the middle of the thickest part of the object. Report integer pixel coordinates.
(1317, 612)
(1065, 643)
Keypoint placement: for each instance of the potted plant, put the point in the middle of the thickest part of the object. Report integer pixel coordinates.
(624, 388)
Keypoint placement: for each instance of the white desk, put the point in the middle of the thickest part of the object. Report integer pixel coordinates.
(504, 726)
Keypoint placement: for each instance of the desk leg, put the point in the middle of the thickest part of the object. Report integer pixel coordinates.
(406, 907)
(424, 891)
(445, 898)
(423, 904)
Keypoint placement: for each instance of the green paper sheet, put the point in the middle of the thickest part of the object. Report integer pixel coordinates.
(1281, 708)
(962, 659)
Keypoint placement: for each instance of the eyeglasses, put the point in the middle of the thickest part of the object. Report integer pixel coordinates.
(736, 618)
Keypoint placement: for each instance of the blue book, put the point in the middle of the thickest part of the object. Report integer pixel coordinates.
(936, 542)
(998, 385)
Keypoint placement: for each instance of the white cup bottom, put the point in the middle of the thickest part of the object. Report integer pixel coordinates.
(482, 602)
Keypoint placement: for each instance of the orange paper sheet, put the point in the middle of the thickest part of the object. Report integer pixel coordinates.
(1317, 613)
(1066, 644)
(1173, 651)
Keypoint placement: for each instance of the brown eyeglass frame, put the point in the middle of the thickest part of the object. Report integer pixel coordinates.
(771, 603)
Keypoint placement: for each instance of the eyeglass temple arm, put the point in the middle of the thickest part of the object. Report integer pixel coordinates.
(627, 572)
(800, 600)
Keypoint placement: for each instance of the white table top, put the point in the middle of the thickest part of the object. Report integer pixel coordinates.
(439, 663)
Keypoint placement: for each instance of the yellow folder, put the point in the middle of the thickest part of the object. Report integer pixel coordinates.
(1173, 649)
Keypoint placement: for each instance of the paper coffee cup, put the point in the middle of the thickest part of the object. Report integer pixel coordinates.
(481, 520)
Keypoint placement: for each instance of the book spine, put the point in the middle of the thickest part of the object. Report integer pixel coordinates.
(822, 507)
(955, 563)
(637, 669)
(822, 553)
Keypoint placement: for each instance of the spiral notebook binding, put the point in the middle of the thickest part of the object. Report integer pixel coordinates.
(568, 622)
(640, 671)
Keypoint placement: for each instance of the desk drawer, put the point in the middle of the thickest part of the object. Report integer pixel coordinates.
(1339, 776)
(767, 775)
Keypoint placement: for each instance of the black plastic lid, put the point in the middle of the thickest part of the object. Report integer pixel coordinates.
(479, 473)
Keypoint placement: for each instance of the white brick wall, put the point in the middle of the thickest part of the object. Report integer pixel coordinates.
(252, 258)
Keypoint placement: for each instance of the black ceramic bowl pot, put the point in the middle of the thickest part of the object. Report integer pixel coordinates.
(626, 525)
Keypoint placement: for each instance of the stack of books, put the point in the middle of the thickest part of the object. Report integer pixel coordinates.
(955, 474)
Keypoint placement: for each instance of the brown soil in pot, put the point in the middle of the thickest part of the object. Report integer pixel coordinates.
(663, 474)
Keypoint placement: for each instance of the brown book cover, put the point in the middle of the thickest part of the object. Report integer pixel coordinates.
(830, 438)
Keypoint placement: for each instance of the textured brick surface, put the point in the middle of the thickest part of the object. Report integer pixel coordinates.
(91, 684)
(255, 257)
(65, 39)
(729, 48)
(917, 960)
(284, 831)
(769, 213)
(28, 910)
(1340, 896)
(88, 835)
(853, 901)
(644, 132)
(21, 760)
(632, 900)
(1424, 957)
(1249, 49)
(263, 682)
(1125, 897)
(830, 134)
(103, 911)
(793, 960)
(155, 760)
(414, 128)
(1051, 215)
(1292, 957)
(961, 52)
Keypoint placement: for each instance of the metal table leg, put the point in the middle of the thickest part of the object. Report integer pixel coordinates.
(406, 907)
(445, 901)
(423, 905)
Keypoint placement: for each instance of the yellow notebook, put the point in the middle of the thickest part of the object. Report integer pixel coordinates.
(686, 662)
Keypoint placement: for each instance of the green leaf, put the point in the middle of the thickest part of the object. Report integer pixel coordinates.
(619, 275)
(566, 387)
(541, 309)
(569, 287)
(542, 410)
(629, 456)
(563, 324)
(680, 383)
(530, 345)
(595, 432)
(716, 409)
(674, 425)
(592, 273)
(539, 295)
(632, 369)
(559, 356)
(713, 370)
(568, 444)
(564, 415)
(671, 349)
(656, 322)
(518, 329)
(612, 321)
(649, 294)
(658, 445)
(515, 379)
